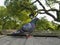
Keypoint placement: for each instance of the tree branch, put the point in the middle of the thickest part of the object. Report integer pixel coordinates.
(33, 2)
(51, 15)
(46, 10)
(41, 4)
(47, 3)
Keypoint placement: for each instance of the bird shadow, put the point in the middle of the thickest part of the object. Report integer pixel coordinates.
(23, 37)
(17, 35)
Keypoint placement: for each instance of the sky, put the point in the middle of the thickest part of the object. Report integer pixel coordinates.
(2, 2)
(39, 7)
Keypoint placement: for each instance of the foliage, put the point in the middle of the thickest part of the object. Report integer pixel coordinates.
(15, 7)
(3, 15)
(16, 14)
(44, 24)
(50, 1)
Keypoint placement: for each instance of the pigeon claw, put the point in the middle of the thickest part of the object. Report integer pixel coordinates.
(28, 36)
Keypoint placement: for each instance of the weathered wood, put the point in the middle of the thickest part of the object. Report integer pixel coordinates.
(17, 40)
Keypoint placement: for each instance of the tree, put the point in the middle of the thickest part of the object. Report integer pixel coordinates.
(44, 24)
(3, 14)
(20, 9)
(51, 9)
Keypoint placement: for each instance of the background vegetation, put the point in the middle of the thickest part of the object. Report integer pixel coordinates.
(16, 14)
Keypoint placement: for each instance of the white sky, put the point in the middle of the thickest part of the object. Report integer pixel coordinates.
(2, 2)
(39, 7)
